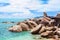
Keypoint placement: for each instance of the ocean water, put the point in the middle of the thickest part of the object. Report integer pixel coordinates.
(7, 35)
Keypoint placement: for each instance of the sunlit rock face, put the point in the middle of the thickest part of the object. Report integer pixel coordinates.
(4, 4)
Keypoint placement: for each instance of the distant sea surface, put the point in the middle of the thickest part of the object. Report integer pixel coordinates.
(7, 35)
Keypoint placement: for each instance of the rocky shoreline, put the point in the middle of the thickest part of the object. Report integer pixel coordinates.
(47, 27)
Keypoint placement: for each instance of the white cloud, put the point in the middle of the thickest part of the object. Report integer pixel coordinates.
(21, 5)
(25, 14)
(53, 5)
(25, 5)
(18, 6)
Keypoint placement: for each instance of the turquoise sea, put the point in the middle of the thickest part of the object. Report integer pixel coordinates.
(7, 35)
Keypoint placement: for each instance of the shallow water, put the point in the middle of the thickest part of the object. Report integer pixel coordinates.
(7, 35)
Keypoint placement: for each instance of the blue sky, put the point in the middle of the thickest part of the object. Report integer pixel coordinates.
(28, 8)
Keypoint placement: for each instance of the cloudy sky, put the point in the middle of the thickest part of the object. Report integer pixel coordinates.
(28, 8)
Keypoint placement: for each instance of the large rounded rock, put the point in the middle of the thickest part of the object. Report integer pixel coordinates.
(42, 30)
(58, 33)
(38, 20)
(16, 28)
(24, 27)
(36, 29)
(52, 22)
(32, 24)
(46, 34)
(50, 28)
(44, 22)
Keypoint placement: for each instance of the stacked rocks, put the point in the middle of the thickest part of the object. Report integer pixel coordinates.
(47, 31)
(23, 26)
(47, 27)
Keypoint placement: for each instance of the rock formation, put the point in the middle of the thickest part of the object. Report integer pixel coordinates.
(45, 14)
(48, 27)
(25, 26)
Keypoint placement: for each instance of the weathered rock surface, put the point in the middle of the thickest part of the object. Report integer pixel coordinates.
(42, 30)
(32, 24)
(46, 26)
(50, 28)
(36, 29)
(24, 27)
(16, 28)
